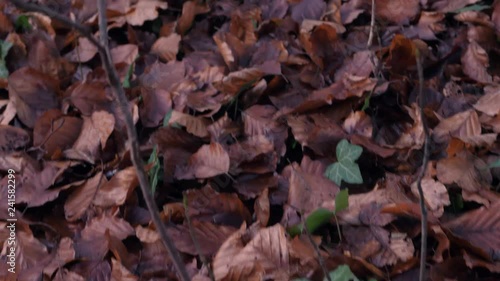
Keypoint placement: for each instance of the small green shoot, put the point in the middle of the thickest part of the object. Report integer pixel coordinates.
(366, 104)
(23, 23)
(155, 170)
(321, 216)
(342, 273)
(167, 118)
(472, 8)
(345, 169)
(130, 71)
(4, 50)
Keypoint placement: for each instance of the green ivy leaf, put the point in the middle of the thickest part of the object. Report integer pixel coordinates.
(342, 273)
(315, 220)
(495, 164)
(4, 49)
(342, 200)
(348, 152)
(344, 171)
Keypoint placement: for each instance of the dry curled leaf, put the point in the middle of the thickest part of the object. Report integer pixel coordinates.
(209, 161)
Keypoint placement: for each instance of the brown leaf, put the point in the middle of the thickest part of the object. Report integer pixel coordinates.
(83, 52)
(55, 132)
(156, 104)
(489, 101)
(64, 254)
(401, 53)
(480, 228)
(379, 245)
(115, 191)
(194, 125)
(358, 123)
(262, 208)
(79, 201)
(209, 161)
(397, 11)
(475, 62)
(144, 10)
(309, 188)
(190, 9)
(32, 93)
(267, 254)
(97, 227)
(124, 54)
(435, 194)
(93, 136)
(464, 169)
(238, 81)
(12, 138)
(464, 126)
(120, 272)
(167, 47)
(308, 9)
(209, 237)
(208, 205)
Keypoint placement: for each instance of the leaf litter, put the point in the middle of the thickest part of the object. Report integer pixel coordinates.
(276, 123)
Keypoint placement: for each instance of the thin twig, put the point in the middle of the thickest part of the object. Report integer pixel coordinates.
(195, 241)
(123, 104)
(423, 225)
(372, 26)
(316, 249)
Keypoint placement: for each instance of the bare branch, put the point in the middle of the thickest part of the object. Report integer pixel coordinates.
(123, 105)
(423, 210)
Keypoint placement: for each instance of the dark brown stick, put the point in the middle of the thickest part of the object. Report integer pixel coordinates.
(423, 225)
(123, 104)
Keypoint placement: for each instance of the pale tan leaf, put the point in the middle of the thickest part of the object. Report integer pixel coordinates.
(120, 272)
(145, 10)
(464, 126)
(146, 235)
(167, 47)
(475, 62)
(97, 227)
(360, 123)
(435, 194)
(124, 54)
(489, 103)
(267, 252)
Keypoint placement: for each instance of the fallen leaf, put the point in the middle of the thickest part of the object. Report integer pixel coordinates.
(479, 227)
(435, 194)
(475, 62)
(167, 47)
(209, 161)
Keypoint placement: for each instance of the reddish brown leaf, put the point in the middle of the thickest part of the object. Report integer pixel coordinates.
(79, 201)
(209, 161)
(397, 11)
(99, 225)
(480, 228)
(115, 191)
(32, 93)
